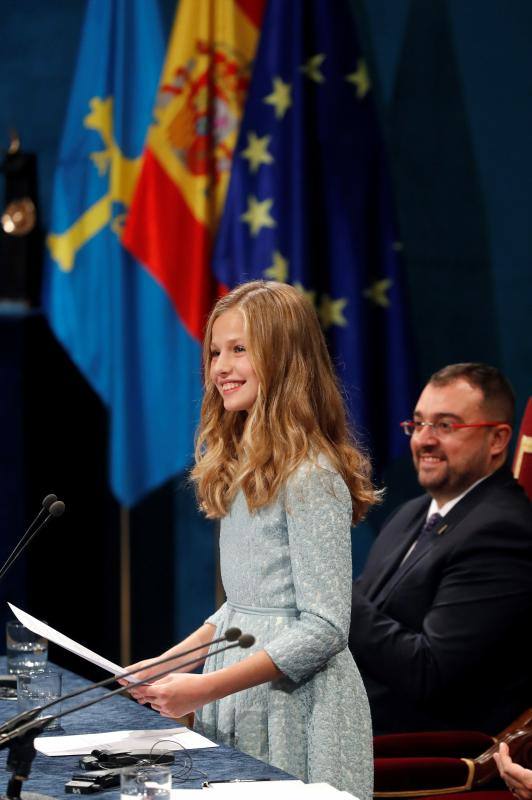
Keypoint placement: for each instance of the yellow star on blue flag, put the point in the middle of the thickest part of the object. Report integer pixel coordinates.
(280, 98)
(256, 152)
(279, 268)
(311, 68)
(360, 79)
(331, 312)
(258, 215)
(377, 292)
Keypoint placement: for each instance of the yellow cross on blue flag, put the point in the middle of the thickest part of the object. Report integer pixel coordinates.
(116, 322)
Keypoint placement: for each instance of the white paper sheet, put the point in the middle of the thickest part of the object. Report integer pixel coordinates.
(324, 790)
(280, 790)
(120, 741)
(63, 641)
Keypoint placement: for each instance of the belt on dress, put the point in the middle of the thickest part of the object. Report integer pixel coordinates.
(263, 611)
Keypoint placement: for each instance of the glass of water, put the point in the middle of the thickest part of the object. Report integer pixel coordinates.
(37, 689)
(146, 783)
(25, 650)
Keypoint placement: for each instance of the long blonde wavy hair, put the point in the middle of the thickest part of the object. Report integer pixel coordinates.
(298, 413)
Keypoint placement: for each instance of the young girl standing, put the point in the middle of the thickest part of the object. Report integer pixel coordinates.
(275, 462)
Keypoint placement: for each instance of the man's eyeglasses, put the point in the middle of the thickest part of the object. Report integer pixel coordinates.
(443, 428)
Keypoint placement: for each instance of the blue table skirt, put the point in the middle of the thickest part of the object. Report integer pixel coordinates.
(49, 774)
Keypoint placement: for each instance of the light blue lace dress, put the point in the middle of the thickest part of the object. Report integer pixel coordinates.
(286, 570)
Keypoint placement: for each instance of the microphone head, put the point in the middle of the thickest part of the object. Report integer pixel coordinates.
(48, 500)
(232, 634)
(57, 508)
(246, 640)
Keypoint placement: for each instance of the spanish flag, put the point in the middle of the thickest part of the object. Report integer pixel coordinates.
(187, 160)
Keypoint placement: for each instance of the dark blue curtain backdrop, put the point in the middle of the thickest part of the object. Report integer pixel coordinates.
(453, 84)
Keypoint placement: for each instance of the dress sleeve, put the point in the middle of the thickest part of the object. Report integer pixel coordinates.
(318, 513)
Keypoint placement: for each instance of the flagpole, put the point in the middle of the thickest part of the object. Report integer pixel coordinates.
(125, 587)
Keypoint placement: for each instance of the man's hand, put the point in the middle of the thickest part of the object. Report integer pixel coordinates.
(517, 778)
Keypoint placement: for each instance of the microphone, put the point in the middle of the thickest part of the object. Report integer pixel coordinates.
(45, 505)
(231, 635)
(48, 500)
(246, 640)
(52, 507)
(33, 726)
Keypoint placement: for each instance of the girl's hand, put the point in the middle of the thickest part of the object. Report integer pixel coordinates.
(138, 691)
(177, 694)
(199, 639)
(517, 778)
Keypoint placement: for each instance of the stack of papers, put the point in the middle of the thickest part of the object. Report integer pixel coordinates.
(120, 741)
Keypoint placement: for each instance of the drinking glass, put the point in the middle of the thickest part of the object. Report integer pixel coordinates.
(25, 650)
(37, 689)
(146, 783)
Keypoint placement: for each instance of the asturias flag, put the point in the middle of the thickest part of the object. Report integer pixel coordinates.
(117, 323)
(180, 195)
(309, 204)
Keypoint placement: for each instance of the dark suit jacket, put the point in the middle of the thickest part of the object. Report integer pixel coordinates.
(446, 641)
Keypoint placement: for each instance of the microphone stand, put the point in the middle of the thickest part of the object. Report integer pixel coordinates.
(19, 761)
(51, 508)
(20, 740)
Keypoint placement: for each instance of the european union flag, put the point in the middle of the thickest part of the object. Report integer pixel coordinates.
(309, 204)
(118, 325)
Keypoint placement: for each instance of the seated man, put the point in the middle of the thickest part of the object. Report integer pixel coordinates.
(439, 611)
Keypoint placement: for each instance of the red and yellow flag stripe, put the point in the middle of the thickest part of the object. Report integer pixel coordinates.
(181, 191)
